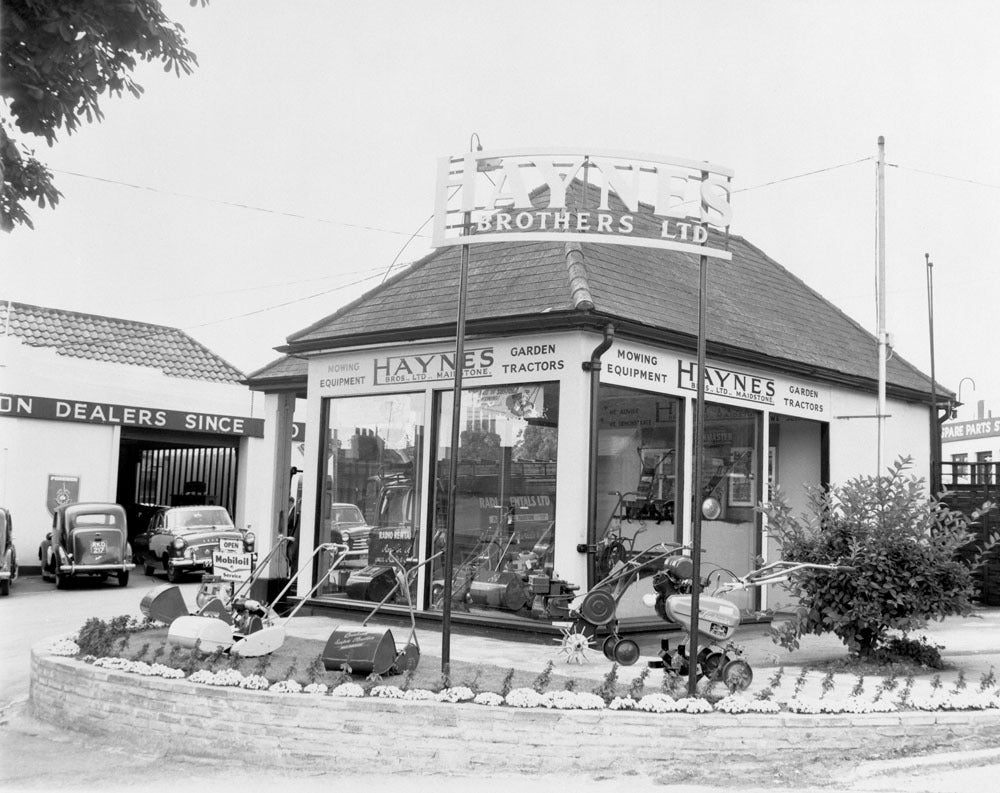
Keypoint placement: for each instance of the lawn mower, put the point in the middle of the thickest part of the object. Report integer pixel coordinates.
(718, 659)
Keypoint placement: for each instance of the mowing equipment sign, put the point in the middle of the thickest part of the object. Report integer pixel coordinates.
(575, 196)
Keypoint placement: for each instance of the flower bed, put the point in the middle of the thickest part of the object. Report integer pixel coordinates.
(808, 693)
(353, 727)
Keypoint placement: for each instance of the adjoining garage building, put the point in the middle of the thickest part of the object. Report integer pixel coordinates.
(95, 408)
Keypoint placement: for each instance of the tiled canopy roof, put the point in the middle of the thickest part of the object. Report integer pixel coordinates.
(758, 311)
(120, 341)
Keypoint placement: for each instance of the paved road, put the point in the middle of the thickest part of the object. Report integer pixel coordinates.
(39, 756)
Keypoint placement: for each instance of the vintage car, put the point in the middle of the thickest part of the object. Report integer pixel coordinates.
(87, 539)
(8, 555)
(347, 526)
(183, 540)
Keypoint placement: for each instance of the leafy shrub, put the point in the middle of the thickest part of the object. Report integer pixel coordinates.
(903, 648)
(100, 638)
(902, 547)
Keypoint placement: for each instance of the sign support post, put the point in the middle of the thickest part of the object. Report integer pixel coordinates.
(699, 436)
(456, 437)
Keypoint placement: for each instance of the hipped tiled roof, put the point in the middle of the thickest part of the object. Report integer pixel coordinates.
(121, 341)
(758, 311)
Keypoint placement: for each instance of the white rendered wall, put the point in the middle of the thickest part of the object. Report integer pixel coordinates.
(854, 441)
(32, 449)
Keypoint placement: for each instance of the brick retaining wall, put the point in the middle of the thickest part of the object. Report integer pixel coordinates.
(357, 735)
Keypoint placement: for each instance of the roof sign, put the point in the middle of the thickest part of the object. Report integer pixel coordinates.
(520, 195)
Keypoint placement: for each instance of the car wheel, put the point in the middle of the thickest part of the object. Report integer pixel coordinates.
(147, 568)
(61, 581)
(43, 563)
(173, 574)
(123, 578)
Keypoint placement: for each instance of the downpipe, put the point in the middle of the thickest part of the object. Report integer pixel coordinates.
(593, 366)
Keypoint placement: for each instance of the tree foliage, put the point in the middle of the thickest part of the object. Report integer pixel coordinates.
(903, 550)
(58, 58)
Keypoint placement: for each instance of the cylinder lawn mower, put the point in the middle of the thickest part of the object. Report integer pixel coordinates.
(718, 619)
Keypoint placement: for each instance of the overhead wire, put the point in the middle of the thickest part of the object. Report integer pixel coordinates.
(413, 235)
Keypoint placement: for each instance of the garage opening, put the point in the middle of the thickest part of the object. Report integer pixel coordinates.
(166, 469)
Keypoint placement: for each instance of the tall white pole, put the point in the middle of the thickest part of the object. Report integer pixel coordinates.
(880, 300)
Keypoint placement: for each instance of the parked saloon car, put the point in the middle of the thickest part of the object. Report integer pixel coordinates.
(182, 540)
(8, 556)
(87, 539)
(348, 526)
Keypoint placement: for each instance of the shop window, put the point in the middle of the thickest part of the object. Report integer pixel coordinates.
(505, 502)
(638, 458)
(730, 490)
(370, 492)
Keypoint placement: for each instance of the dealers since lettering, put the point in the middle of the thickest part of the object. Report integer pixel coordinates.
(804, 398)
(48, 409)
(533, 351)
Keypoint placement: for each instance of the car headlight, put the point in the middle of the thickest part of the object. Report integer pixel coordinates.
(178, 545)
(249, 540)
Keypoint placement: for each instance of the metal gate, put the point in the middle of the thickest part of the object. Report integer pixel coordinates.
(187, 475)
(967, 486)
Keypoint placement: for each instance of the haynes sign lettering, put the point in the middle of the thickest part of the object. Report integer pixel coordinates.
(511, 195)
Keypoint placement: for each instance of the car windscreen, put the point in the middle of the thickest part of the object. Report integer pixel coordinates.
(188, 519)
(96, 519)
(346, 515)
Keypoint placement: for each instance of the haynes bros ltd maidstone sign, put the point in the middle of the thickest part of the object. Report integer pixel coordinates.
(524, 194)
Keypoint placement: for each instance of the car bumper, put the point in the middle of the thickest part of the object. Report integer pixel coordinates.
(76, 569)
(190, 564)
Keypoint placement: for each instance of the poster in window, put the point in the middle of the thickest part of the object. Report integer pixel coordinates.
(741, 477)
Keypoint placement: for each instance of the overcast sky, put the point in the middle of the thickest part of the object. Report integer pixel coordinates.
(328, 118)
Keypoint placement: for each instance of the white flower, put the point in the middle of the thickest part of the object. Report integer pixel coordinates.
(107, 662)
(348, 690)
(141, 668)
(387, 692)
(694, 705)
(227, 677)
(565, 700)
(741, 703)
(455, 694)
(315, 688)
(419, 695)
(622, 703)
(202, 676)
(588, 701)
(64, 647)
(255, 682)
(657, 703)
(286, 687)
(524, 698)
(488, 698)
(165, 671)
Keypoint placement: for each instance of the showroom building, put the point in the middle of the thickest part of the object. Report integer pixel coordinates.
(579, 385)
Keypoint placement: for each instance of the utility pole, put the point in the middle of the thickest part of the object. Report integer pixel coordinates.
(880, 299)
(935, 419)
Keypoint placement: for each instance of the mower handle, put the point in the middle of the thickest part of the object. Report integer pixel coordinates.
(774, 573)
